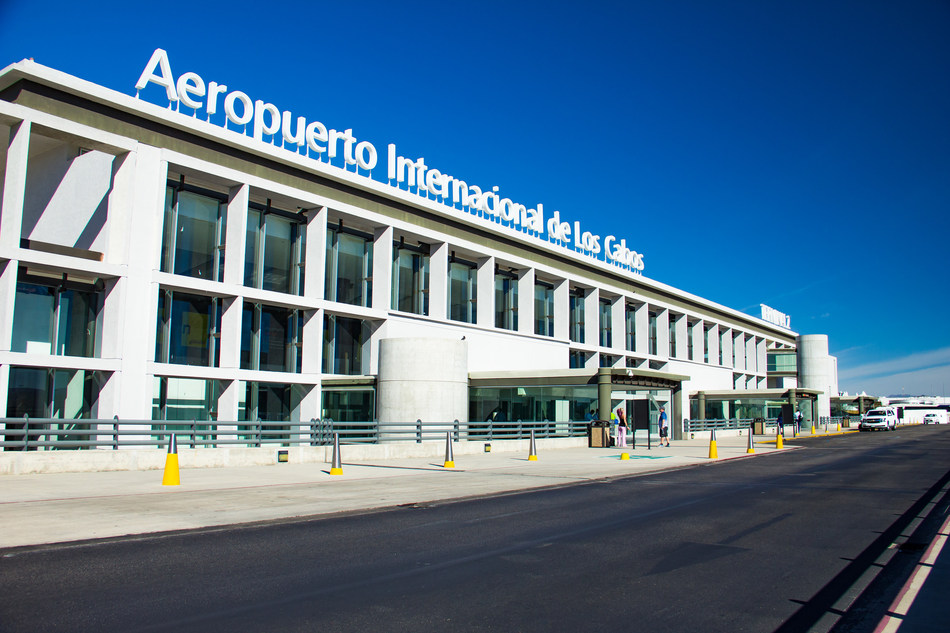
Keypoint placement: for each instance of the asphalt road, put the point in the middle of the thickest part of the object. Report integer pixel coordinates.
(783, 542)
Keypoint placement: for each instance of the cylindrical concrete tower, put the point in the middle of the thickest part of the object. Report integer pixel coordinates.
(817, 369)
(423, 379)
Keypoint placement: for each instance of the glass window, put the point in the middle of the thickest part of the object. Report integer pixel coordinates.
(271, 338)
(782, 362)
(270, 403)
(356, 404)
(606, 325)
(194, 234)
(705, 344)
(672, 325)
(577, 315)
(343, 341)
(58, 318)
(506, 301)
(463, 291)
(652, 322)
(630, 328)
(410, 280)
(577, 359)
(349, 274)
(543, 309)
(279, 264)
(52, 393)
(689, 340)
(188, 329)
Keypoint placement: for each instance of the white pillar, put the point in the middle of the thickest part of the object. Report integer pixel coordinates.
(14, 186)
(526, 301)
(383, 268)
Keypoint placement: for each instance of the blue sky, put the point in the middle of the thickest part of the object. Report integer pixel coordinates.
(795, 154)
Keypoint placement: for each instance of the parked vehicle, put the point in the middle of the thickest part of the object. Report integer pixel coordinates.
(936, 417)
(880, 419)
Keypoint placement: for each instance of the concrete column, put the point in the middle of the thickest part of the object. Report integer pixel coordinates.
(422, 379)
(677, 412)
(235, 238)
(682, 332)
(8, 275)
(526, 301)
(697, 332)
(312, 342)
(315, 257)
(662, 332)
(701, 397)
(713, 340)
(643, 328)
(604, 391)
(383, 268)
(439, 280)
(618, 316)
(562, 309)
(14, 186)
(229, 403)
(136, 295)
(121, 201)
(592, 317)
(485, 314)
(232, 310)
(725, 340)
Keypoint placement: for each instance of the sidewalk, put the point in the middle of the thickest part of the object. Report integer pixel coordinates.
(52, 508)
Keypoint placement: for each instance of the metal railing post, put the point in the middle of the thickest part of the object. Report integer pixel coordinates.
(455, 429)
(418, 431)
(26, 432)
(115, 432)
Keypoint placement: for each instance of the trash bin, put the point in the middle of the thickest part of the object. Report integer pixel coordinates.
(758, 426)
(598, 434)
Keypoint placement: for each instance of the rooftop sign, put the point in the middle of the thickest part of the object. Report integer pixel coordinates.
(313, 139)
(774, 316)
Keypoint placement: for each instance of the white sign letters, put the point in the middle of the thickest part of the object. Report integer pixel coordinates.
(314, 139)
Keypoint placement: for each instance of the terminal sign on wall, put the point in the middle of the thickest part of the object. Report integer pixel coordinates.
(774, 316)
(314, 139)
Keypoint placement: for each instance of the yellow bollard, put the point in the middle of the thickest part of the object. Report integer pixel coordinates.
(713, 451)
(532, 449)
(171, 476)
(779, 443)
(336, 468)
(750, 450)
(624, 456)
(449, 457)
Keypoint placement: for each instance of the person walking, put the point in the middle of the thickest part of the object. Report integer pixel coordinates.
(621, 428)
(664, 428)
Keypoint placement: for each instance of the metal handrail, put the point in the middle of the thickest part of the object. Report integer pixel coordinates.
(18, 434)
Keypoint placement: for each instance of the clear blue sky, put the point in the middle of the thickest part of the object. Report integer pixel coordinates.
(795, 154)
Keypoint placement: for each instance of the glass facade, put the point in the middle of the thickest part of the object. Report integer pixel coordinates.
(194, 233)
(543, 309)
(531, 404)
(782, 361)
(39, 392)
(606, 325)
(630, 328)
(349, 404)
(463, 291)
(271, 338)
(274, 251)
(185, 399)
(343, 340)
(410, 280)
(576, 311)
(189, 328)
(349, 267)
(55, 317)
(672, 326)
(506, 301)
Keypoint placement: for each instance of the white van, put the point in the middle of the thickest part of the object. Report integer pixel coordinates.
(880, 419)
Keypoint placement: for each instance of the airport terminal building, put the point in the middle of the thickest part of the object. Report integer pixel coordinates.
(192, 253)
